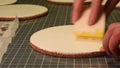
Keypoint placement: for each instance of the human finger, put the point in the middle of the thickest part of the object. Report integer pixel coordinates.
(77, 10)
(95, 12)
(107, 37)
(114, 42)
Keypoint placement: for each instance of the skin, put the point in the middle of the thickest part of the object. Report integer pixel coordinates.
(96, 9)
(112, 37)
(111, 40)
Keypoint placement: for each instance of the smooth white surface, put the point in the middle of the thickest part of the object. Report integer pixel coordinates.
(61, 39)
(21, 10)
(6, 2)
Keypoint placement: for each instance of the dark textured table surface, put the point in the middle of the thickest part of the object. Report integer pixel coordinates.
(21, 55)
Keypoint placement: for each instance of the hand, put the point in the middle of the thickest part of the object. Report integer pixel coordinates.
(96, 9)
(111, 42)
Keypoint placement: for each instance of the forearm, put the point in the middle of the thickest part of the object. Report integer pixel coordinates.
(109, 6)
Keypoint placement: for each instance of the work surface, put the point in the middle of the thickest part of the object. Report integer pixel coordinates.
(21, 55)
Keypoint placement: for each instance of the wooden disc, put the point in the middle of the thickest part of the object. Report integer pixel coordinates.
(22, 11)
(60, 41)
(65, 2)
(6, 2)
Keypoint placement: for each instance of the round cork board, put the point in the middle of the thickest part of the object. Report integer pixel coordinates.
(64, 2)
(6, 2)
(22, 11)
(60, 41)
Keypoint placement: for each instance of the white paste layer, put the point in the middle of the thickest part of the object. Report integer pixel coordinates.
(61, 39)
(21, 10)
(6, 2)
